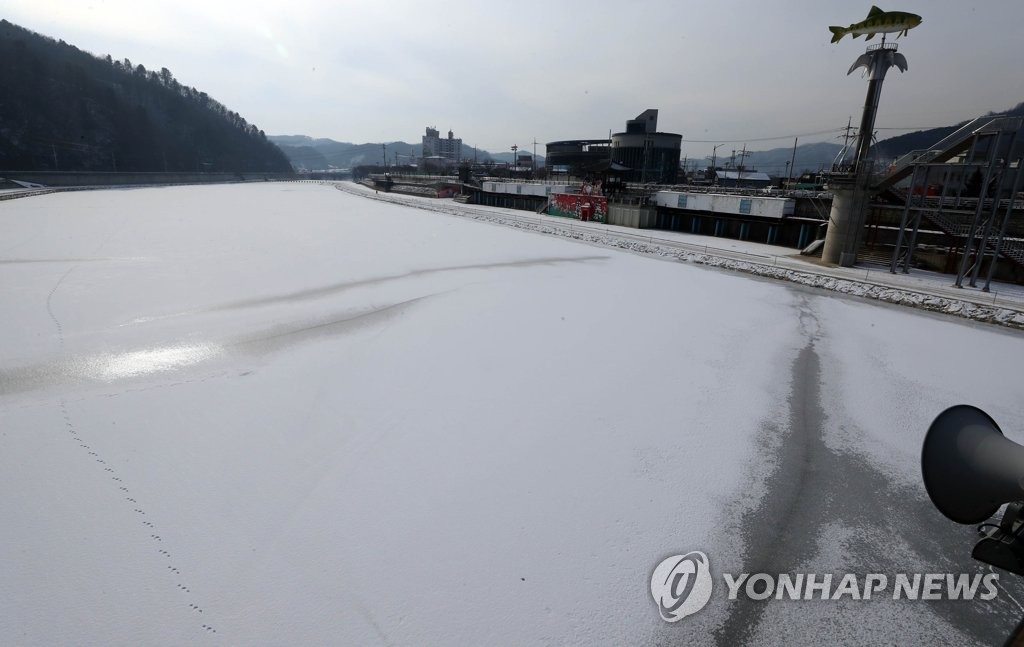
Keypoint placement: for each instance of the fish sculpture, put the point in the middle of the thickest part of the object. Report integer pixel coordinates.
(878, 22)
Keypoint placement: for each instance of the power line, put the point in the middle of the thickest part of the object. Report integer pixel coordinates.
(761, 139)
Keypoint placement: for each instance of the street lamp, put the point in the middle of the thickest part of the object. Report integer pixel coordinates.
(714, 157)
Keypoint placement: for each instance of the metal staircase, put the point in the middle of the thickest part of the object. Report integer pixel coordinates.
(990, 158)
(943, 150)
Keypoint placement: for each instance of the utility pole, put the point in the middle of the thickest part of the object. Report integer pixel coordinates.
(533, 171)
(792, 162)
(849, 127)
(743, 157)
(514, 157)
(648, 143)
(384, 147)
(714, 158)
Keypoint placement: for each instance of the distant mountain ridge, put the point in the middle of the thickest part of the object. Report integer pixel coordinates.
(310, 153)
(314, 154)
(66, 110)
(320, 154)
(776, 161)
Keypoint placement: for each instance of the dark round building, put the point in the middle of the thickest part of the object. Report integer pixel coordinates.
(649, 155)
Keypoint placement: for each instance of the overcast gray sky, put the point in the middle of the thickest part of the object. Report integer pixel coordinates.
(504, 73)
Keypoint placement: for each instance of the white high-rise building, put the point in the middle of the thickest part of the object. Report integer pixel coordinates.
(450, 149)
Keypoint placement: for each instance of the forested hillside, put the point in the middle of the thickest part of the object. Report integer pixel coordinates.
(67, 110)
(924, 139)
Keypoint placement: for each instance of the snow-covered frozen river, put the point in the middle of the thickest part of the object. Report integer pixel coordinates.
(284, 414)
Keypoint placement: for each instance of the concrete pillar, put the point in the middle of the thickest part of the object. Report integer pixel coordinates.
(845, 226)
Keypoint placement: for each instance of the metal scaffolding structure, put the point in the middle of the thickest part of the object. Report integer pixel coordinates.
(991, 160)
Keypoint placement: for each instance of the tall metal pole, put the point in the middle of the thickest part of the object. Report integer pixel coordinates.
(935, 215)
(870, 110)
(969, 243)
(867, 120)
(1006, 221)
(792, 163)
(995, 210)
(849, 196)
(903, 221)
(846, 137)
(908, 259)
(968, 158)
(877, 61)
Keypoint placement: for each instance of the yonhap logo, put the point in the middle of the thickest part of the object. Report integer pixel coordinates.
(681, 585)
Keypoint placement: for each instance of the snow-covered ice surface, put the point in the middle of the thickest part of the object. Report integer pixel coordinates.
(282, 414)
(933, 291)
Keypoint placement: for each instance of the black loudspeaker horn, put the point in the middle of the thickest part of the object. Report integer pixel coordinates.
(969, 467)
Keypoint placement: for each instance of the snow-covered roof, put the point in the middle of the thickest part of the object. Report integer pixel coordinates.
(743, 176)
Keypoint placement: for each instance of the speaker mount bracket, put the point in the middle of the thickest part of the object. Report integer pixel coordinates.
(1002, 546)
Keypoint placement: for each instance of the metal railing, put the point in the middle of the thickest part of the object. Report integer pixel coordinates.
(922, 156)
